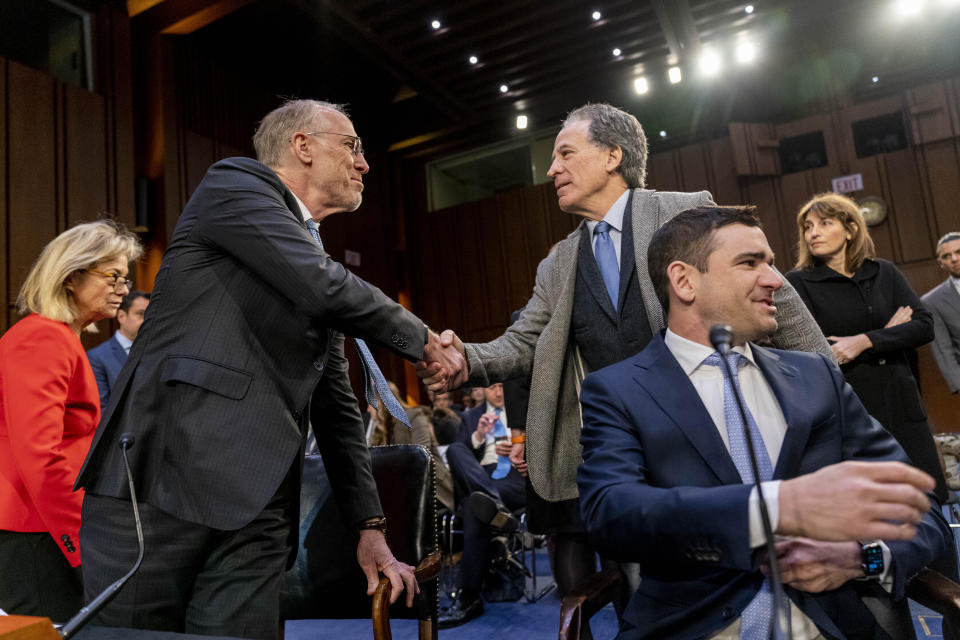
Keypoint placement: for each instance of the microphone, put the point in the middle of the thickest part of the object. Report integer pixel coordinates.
(83, 616)
(721, 337)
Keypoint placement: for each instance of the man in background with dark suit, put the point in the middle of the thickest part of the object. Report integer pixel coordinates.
(244, 343)
(489, 489)
(666, 479)
(943, 301)
(107, 358)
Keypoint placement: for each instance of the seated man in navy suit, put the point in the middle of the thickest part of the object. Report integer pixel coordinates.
(666, 482)
(107, 359)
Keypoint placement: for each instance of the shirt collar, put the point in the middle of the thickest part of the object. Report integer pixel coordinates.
(124, 341)
(614, 215)
(303, 208)
(690, 355)
(492, 409)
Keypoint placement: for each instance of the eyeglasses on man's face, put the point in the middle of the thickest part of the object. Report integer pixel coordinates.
(119, 282)
(357, 148)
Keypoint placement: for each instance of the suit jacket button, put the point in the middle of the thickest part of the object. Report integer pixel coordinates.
(727, 612)
(319, 365)
(65, 537)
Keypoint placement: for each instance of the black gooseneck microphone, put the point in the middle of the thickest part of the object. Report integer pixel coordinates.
(721, 336)
(86, 613)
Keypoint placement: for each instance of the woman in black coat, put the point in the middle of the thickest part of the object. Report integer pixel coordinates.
(871, 317)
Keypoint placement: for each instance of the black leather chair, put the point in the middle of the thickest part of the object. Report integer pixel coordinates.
(927, 588)
(326, 581)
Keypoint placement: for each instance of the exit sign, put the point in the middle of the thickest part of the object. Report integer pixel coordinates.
(846, 184)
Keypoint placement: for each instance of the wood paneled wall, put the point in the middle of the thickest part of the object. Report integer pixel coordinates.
(477, 261)
(66, 154)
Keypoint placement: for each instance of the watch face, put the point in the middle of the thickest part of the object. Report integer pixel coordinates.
(872, 558)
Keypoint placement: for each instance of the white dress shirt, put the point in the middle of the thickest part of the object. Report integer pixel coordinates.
(614, 218)
(956, 284)
(124, 341)
(488, 442)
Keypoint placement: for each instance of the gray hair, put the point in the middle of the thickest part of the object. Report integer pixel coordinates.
(948, 237)
(611, 127)
(277, 127)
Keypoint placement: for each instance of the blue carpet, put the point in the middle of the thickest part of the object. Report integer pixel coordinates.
(527, 621)
(531, 621)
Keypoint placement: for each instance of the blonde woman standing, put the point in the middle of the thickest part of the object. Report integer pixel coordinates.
(49, 408)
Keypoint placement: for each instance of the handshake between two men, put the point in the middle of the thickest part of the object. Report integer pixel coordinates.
(850, 500)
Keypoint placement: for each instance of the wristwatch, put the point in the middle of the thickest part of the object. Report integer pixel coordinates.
(871, 559)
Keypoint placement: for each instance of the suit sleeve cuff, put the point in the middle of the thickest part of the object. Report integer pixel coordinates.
(771, 492)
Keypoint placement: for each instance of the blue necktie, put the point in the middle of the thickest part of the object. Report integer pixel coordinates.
(374, 382)
(503, 462)
(607, 261)
(756, 619)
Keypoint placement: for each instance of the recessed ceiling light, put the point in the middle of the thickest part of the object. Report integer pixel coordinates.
(746, 52)
(663, 134)
(875, 79)
(473, 59)
(616, 51)
(435, 24)
(504, 88)
(673, 73)
(521, 122)
(641, 86)
(595, 15)
(748, 8)
(710, 62)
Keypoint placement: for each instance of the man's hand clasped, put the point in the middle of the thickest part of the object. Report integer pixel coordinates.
(444, 366)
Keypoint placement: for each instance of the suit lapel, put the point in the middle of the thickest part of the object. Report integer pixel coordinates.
(784, 381)
(951, 297)
(645, 218)
(663, 378)
(591, 275)
(119, 353)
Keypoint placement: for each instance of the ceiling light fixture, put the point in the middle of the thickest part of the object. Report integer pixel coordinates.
(674, 75)
(663, 134)
(908, 8)
(710, 62)
(435, 24)
(641, 86)
(616, 51)
(473, 59)
(875, 79)
(504, 88)
(595, 15)
(748, 9)
(746, 52)
(521, 122)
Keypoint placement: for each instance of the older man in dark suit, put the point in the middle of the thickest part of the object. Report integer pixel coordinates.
(244, 335)
(666, 478)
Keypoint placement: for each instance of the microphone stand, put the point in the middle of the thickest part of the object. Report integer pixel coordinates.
(721, 337)
(86, 613)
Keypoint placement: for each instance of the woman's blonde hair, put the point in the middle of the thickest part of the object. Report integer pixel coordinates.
(384, 422)
(81, 247)
(847, 212)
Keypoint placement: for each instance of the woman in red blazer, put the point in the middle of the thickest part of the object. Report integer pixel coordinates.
(49, 408)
